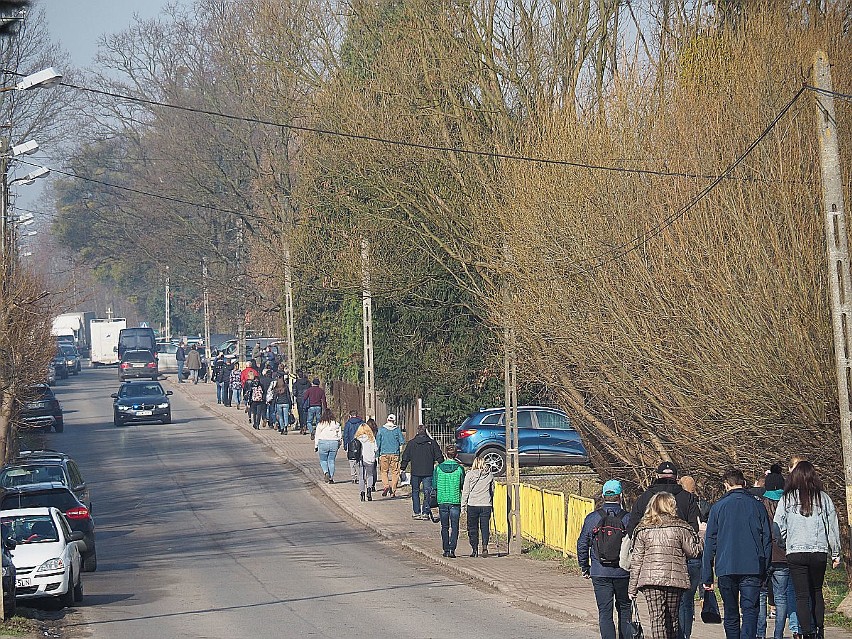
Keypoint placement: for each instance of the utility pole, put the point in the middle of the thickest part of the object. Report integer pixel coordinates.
(839, 274)
(168, 305)
(206, 310)
(367, 316)
(510, 384)
(4, 206)
(241, 312)
(288, 310)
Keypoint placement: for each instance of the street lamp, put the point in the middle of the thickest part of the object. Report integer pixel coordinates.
(32, 176)
(42, 79)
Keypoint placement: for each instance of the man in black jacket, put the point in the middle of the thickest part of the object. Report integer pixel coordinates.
(299, 387)
(687, 509)
(423, 452)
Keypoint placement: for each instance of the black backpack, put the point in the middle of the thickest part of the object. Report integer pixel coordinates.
(353, 451)
(608, 535)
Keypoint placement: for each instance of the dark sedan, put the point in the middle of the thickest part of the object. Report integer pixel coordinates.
(136, 364)
(141, 401)
(41, 410)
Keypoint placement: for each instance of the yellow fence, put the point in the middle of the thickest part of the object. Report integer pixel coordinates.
(547, 517)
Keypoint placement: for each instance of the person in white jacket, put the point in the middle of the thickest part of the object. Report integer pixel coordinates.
(477, 498)
(328, 441)
(367, 463)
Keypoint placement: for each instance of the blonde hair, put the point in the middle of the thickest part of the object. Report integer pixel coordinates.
(478, 464)
(795, 459)
(364, 429)
(660, 505)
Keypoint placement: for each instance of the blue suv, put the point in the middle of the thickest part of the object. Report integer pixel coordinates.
(545, 438)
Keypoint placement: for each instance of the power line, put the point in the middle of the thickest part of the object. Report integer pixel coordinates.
(635, 243)
(834, 94)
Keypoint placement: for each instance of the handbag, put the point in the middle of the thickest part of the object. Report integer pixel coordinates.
(710, 608)
(638, 633)
(433, 498)
(291, 418)
(626, 553)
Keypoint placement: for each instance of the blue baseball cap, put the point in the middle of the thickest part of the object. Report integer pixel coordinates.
(612, 487)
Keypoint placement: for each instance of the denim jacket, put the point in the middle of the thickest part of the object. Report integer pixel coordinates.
(818, 533)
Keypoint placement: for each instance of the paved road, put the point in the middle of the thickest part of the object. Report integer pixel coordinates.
(203, 533)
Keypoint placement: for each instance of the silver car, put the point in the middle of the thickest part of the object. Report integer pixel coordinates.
(166, 357)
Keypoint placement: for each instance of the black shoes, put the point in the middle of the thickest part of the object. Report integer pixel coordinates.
(484, 551)
(369, 494)
(362, 497)
(452, 555)
(326, 476)
(446, 553)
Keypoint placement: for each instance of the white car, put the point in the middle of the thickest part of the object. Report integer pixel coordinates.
(167, 362)
(46, 556)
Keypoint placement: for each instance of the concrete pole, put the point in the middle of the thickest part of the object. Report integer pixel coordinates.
(510, 385)
(367, 316)
(206, 312)
(241, 312)
(4, 207)
(839, 275)
(168, 305)
(288, 311)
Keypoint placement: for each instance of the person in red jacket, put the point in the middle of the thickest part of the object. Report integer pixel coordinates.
(314, 403)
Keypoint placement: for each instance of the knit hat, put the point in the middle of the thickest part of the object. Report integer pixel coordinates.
(774, 481)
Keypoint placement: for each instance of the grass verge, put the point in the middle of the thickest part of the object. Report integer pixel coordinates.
(19, 627)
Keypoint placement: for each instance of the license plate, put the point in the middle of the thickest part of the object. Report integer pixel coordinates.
(144, 413)
(23, 583)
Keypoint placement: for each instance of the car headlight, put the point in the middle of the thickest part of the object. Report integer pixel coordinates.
(123, 407)
(51, 565)
(163, 405)
(70, 362)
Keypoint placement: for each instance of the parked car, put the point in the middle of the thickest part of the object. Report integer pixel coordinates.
(9, 578)
(46, 557)
(229, 347)
(37, 466)
(51, 374)
(72, 358)
(75, 513)
(42, 410)
(166, 361)
(141, 401)
(545, 438)
(59, 366)
(136, 339)
(136, 364)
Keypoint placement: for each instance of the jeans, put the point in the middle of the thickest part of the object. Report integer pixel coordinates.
(807, 570)
(418, 482)
(220, 392)
(180, 371)
(282, 417)
(686, 612)
(238, 395)
(258, 411)
(314, 415)
(327, 449)
(193, 375)
(450, 514)
(785, 603)
(740, 594)
(366, 475)
(226, 399)
(607, 591)
(478, 520)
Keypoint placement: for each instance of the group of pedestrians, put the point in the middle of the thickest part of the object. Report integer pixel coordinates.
(773, 540)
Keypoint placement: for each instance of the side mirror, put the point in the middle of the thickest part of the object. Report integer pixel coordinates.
(76, 535)
(9, 543)
(114, 395)
(169, 392)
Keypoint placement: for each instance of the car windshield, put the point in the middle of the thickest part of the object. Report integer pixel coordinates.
(22, 475)
(60, 498)
(140, 390)
(167, 348)
(138, 356)
(68, 350)
(30, 529)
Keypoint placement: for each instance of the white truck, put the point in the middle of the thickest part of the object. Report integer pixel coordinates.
(105, 340)
(75, 325)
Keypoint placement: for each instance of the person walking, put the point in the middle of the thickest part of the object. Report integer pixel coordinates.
(349, 429)
(810, 534)
(367, 462)
(686, 614)
(257, 353)
(225, 378)
(390, 441)
(256, 398)
(782, 586)
(301, 385)
(180, 358)
(236, 384)
(193, 363)
(315, 405)
(422, 453)
(477, 499)
(738, 547)
(216, 374)
(666, 481)
(281, 402)
(448, 479)
(609, 581)
(375, 428)
(662, 543)
(328, 441)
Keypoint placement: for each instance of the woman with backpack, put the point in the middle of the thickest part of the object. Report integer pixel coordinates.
(281, 402)
(328, 439)
(662, 542)
(809, 534)
(366, 457)
(236, 384)
(477, 498)
(255, 400)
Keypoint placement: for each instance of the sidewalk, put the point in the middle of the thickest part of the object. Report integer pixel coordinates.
(539, 583)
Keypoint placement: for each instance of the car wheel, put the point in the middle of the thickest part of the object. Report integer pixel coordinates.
(495, 460)
(78, 590)
(167, 419)
(90, 560)
(117, 420)
(66, 599)
(58, 427)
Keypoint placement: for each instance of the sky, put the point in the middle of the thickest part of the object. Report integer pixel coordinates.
(77, 25)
